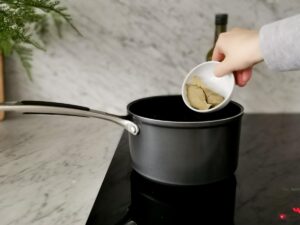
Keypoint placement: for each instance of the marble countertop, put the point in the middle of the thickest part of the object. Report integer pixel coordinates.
(51, 167)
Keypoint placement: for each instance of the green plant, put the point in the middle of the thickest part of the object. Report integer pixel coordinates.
(23, 23)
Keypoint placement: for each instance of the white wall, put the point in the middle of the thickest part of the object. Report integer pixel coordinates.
(137, 48)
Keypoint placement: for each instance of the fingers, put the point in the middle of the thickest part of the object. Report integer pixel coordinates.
(237, 50)
(243, 76)
(217, 55)
(223, 68)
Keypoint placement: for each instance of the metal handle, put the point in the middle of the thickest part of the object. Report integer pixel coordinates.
(54, 108)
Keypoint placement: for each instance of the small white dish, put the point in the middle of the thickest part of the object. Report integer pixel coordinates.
(222, 85)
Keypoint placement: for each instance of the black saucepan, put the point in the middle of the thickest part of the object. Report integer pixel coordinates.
(169, 143)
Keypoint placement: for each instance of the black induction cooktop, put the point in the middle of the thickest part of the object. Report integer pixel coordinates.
(265, 189)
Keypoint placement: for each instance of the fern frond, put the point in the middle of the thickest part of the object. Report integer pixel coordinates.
(24, 22)
(42, 28)
(52, 6)
(25, 56)
(58, 23)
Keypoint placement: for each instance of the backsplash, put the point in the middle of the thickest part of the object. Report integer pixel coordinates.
(136, 48)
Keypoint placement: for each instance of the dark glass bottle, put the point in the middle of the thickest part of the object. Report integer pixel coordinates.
(220, 27)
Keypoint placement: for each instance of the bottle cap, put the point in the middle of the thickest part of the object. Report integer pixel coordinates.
(221, 19)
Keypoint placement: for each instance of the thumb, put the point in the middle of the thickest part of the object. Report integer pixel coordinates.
(223, 68)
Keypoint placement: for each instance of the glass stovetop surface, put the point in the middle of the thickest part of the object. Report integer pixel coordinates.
(265, 189)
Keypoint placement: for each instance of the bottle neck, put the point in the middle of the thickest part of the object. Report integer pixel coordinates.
(218, 30)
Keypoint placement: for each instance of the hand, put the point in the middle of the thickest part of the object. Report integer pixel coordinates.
(238, 50)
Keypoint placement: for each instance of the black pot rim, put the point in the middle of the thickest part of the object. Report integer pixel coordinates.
(182, 124)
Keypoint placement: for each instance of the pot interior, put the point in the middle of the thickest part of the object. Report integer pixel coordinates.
(172, 108)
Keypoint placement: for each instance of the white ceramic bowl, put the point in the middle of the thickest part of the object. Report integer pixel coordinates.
(222, 85)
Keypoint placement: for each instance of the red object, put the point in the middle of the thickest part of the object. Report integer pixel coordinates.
(282, 216)
(296, 210)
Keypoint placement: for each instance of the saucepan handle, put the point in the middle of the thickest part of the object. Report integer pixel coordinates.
(54, 108)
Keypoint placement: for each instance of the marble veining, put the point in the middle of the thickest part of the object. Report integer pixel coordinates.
(51, 168)
(132, 49)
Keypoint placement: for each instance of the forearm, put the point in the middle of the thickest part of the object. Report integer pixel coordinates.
(280, 44)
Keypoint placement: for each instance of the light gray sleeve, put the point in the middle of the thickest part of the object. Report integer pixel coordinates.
(280, 44)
